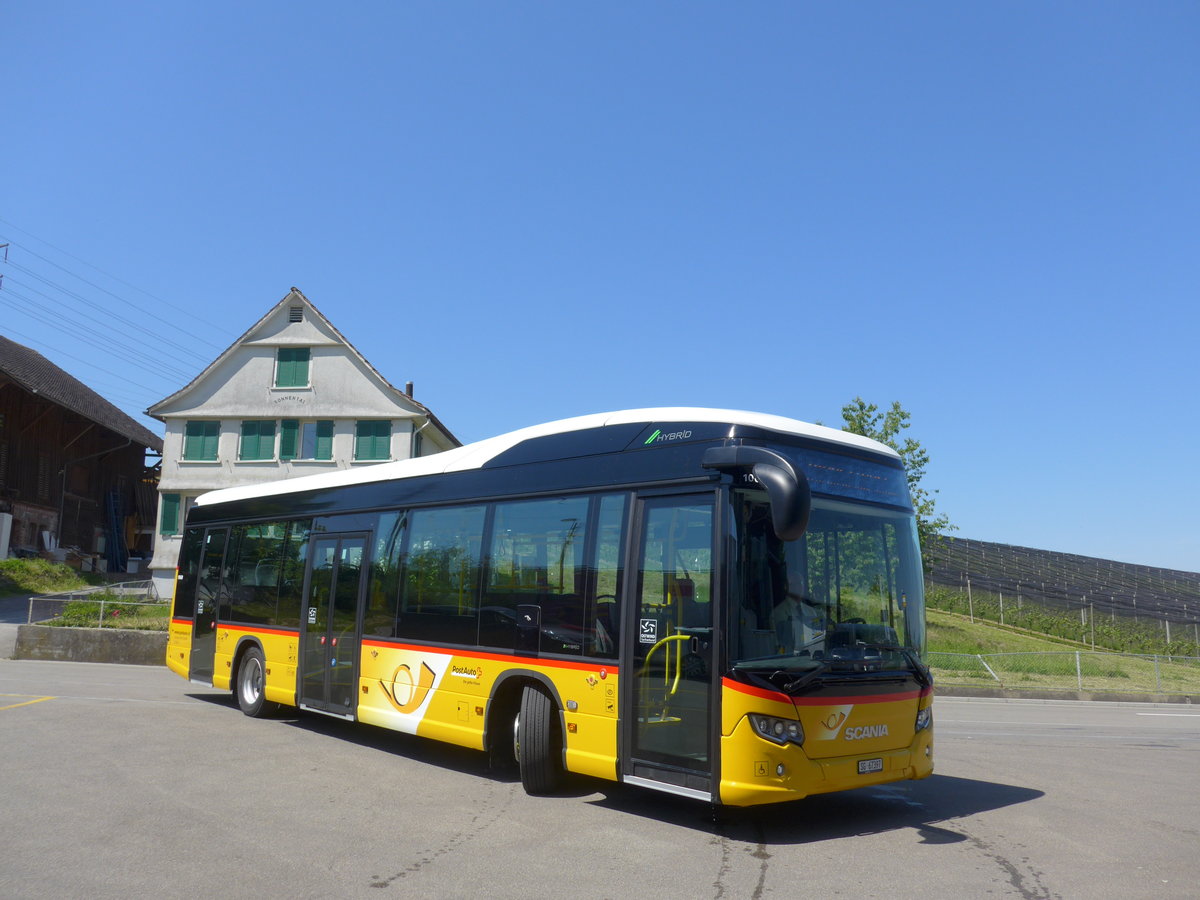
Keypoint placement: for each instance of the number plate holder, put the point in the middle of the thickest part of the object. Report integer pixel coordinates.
(867, 766)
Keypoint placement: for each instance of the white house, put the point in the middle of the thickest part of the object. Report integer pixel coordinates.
(290, 397)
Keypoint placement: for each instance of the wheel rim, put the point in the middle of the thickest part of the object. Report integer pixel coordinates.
(517, 738)
(252, 678)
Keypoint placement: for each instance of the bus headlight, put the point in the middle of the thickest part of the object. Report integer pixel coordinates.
(924, 718)
(778, 731)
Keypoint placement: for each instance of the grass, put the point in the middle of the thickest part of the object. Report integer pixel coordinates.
(102, 609)
(40, 576)
(114, 614)
(1016, 660)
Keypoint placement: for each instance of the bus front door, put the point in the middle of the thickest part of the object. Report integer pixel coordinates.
(328, 640)
(208, 601)
(668, 738)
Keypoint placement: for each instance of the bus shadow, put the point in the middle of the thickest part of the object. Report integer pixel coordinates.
(418, 749)
(919, 805)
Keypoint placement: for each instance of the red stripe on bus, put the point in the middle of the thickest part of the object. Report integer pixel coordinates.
(610, 665)
(245, 629)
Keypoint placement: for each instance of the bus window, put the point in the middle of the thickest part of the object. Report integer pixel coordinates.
(291, 574)
(537, 558)
(440, 580)
(383, 592)
(254, 577)
(601, 621)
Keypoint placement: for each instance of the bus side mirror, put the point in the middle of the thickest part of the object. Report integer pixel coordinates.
(786, 486)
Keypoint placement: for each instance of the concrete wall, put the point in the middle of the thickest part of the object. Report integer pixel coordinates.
(110, 645)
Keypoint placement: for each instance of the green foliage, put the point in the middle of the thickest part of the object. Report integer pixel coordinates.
(1119, 634)
(104, 610)
(37, 576)
(886, 427)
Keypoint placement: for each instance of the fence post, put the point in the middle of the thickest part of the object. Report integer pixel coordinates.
(1157, 676)
(1001, 609)
(970, 602)
(1078, 672)
(100, 624)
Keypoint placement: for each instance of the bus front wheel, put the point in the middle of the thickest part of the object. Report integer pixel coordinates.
(537, 745)
(251, 680)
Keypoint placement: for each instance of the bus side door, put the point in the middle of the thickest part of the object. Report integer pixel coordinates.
(208, 594)
(668, 733)
(337, 573)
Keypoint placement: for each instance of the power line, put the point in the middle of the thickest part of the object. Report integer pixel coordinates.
(129, 322)
(191, 313)
(134, 357)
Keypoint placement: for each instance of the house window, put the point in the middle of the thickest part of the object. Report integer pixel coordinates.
(258, 439)
(418, 440)
(200, 441)
(170, 514)
(291, 367)
(306, 440)
(372, 440)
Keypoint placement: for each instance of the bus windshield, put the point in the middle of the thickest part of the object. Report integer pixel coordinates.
(845, 599)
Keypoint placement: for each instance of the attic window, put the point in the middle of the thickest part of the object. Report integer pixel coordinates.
(296, 314)
(291, 367)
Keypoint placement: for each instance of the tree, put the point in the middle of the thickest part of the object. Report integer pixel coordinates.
(866, 419)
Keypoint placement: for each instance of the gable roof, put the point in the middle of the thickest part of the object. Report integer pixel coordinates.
(295, 297)
(34, 373)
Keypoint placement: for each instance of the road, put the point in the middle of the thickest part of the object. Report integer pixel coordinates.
(124, 781)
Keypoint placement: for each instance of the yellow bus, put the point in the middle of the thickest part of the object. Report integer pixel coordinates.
(722, 605)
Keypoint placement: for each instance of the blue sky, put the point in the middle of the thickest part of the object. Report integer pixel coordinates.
(987, 211)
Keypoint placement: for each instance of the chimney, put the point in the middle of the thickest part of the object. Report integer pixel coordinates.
(408, 388)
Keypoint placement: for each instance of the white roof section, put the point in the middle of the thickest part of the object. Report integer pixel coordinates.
(476, 455)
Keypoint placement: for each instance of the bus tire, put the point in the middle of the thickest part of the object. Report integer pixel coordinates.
(538, 748)
(251, 681)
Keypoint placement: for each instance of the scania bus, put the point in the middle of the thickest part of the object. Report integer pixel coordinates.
(722, 605)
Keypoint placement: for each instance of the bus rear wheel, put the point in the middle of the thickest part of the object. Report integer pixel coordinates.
(538, 747)
(251, 680)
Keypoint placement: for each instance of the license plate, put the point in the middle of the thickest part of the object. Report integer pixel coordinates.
(866, 766)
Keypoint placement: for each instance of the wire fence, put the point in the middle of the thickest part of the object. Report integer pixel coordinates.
(1077, 670)
(130, 604)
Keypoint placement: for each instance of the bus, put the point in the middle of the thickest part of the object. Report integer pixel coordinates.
(722, 605)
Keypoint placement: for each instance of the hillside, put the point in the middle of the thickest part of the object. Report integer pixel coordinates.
(1067, 581)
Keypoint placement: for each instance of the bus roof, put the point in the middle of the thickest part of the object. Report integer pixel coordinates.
(478, 454)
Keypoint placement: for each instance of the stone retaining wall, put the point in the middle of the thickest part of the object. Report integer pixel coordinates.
(109, 645)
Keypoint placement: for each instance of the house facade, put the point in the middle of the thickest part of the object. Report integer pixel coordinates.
(73, 471)
(290, 397)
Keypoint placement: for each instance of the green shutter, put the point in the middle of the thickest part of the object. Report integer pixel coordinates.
(324, 440)
(289, 438)
(372, 440)
(170, 514)
(258, 440)
(200, 440)
(291, 367)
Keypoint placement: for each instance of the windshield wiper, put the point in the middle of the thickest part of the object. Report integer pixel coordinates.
(920, 671)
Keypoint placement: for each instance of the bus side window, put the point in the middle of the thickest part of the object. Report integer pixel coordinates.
(440, 580)
(383, 592)
(602, 619)
(291, 573)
